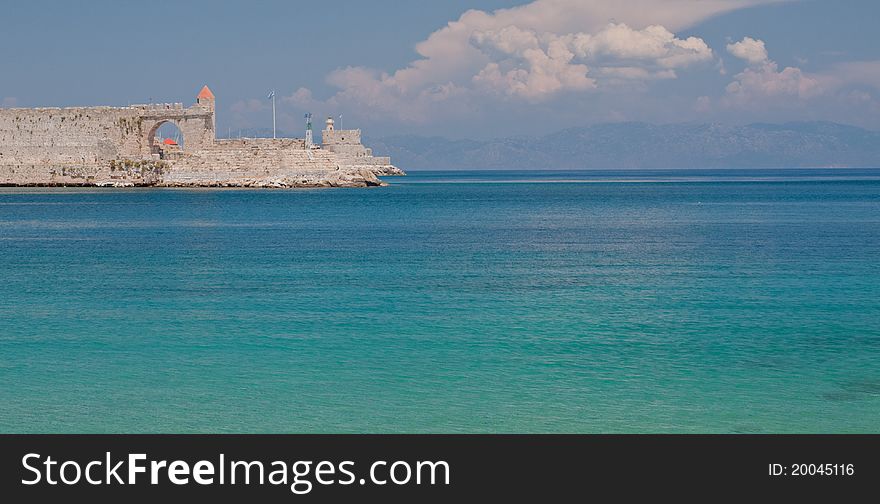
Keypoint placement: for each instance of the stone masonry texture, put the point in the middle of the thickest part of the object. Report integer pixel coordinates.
(116, 146)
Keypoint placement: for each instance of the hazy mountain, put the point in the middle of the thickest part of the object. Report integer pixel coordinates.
(640, 145)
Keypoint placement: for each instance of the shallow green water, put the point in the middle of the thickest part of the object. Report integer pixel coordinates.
(449, 302)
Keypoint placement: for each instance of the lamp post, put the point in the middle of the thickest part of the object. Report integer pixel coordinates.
(272, 97)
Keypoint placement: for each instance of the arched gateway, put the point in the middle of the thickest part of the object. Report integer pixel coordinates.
(196, 123)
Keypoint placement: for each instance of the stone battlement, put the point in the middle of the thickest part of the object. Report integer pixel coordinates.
(341, 137)
(159, 106)
(262, 143)
(118, 146)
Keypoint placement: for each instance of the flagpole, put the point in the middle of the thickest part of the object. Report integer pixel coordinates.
(273, 114)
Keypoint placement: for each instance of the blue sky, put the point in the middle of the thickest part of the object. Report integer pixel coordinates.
(436, 68)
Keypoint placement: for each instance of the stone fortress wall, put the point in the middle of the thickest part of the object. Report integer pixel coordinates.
(348, 147)
(116, 146)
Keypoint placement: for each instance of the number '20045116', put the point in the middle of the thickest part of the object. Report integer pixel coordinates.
(811, 470)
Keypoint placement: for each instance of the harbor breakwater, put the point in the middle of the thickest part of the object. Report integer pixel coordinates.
(120, 146)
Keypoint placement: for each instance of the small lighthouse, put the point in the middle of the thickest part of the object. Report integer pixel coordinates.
(309, 139)
(329, 124)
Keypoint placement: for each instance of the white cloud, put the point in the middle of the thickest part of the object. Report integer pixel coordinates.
(535, 66)
(847, 92)
(762, 83)
(533, 52)
(767, 81)
(302, 97)
(529, 65)
(749, 49)
(653, 45)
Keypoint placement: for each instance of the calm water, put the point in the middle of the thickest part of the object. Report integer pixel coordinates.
(661, 301)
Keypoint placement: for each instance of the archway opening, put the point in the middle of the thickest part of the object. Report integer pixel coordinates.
(166, 140)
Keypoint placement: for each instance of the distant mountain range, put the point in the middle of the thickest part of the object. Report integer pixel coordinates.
(640, 145)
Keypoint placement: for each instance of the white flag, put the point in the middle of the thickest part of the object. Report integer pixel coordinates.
(271, 95)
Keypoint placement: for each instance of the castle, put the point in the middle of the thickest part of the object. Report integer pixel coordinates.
(119, 146)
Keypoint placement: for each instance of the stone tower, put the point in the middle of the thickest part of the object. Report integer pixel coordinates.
(205, 98)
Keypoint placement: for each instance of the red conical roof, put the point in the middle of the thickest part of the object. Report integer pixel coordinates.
(205, 94)
(169, 141)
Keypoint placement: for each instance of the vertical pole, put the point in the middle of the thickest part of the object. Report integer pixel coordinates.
(273, 114)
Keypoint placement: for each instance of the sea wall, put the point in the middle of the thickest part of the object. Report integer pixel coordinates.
(117, 146)
(260, 162)
(93, 145)
(45, 145)
(351, 153)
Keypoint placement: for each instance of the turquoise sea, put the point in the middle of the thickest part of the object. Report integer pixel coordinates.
(595, 301)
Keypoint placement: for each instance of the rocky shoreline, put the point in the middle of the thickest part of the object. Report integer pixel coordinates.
(341, 179)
